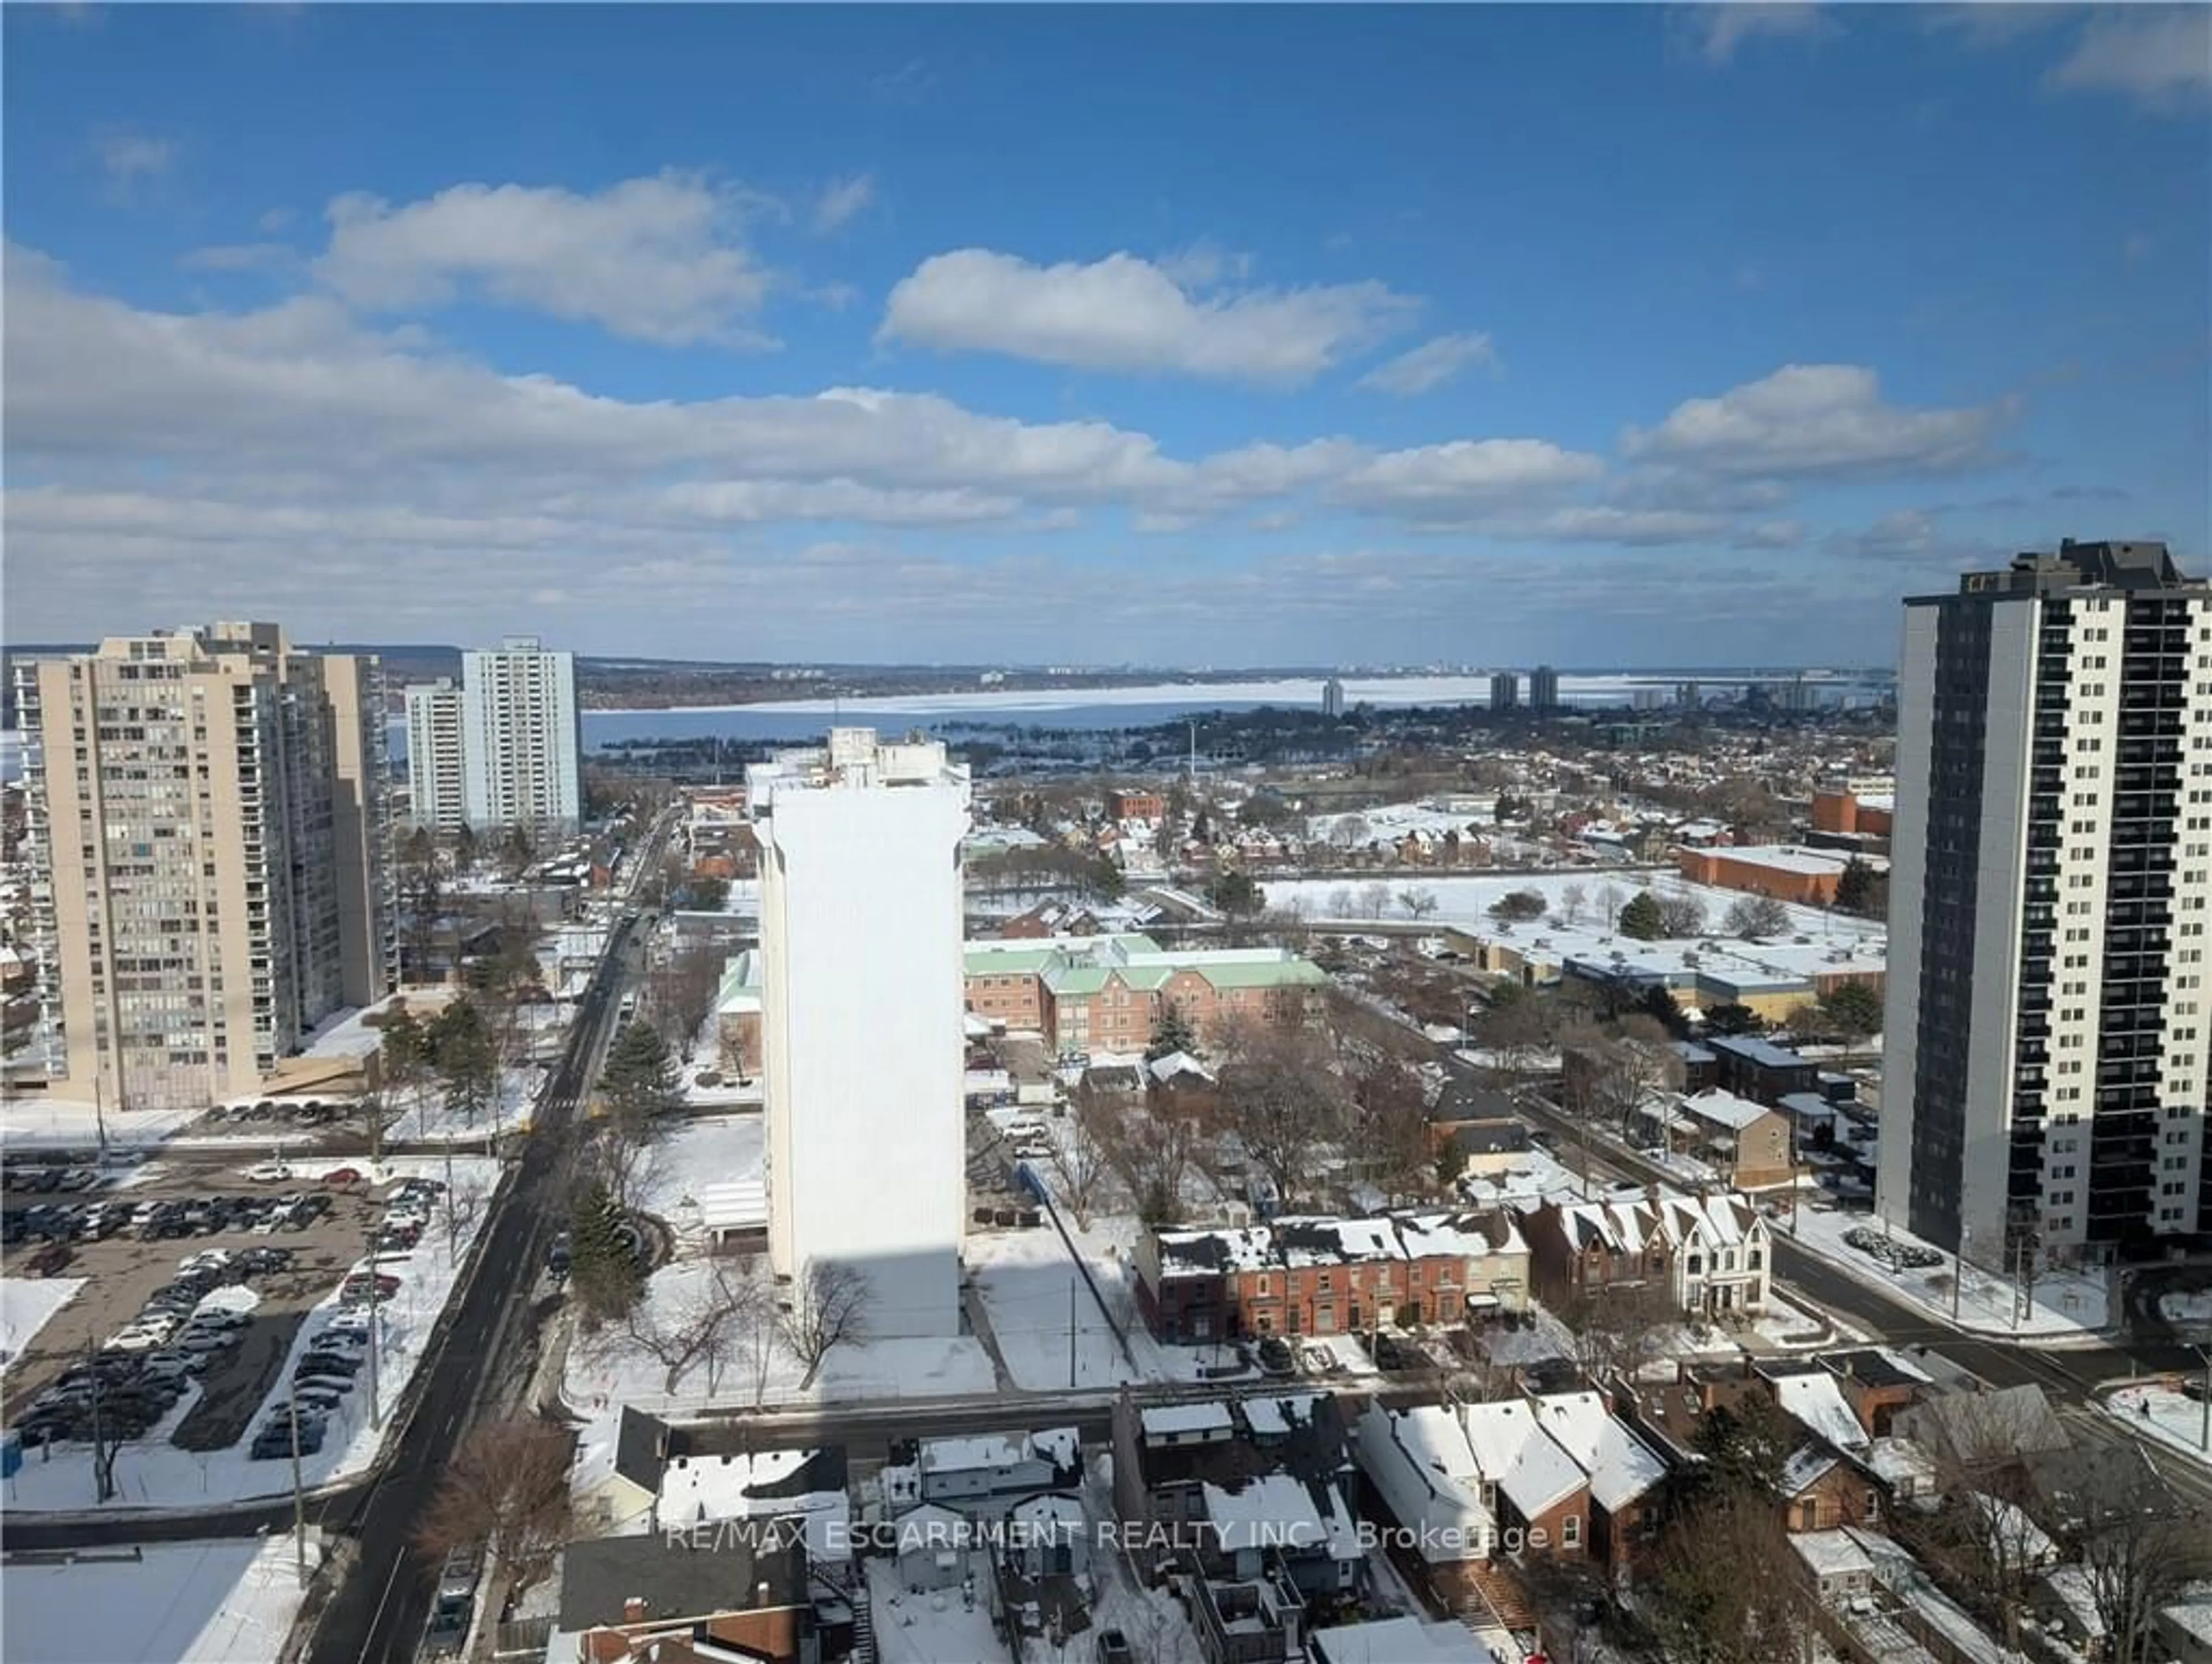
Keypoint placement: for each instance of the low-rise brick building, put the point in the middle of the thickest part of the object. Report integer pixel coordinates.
(1325, 1276)
(1108, 993)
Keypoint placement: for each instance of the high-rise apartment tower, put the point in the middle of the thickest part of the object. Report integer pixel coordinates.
(2044, 1088)
(521, 742)
(210, 852)
(862, 1002)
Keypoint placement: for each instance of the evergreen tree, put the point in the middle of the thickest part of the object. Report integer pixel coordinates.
(1659, 1003)
(1172, 1033)
(1641, 918)
(1734, 1019)
(1854, 1008)
(603, 1273)
(461, 1054)
(1235, 894)
(639, 1080)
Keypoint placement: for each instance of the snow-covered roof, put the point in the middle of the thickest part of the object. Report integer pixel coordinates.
(1181, 1420)
(1832, 1554)
(1177, 1062)
(1817, 1402)
(1398, 1641)
(1620, 1466)
(1804, 1467)
(1515, 1455)
(1900, 1463)
(1274, 1511)
(983, 1450)
(1278, 1413)
(1723, 1109)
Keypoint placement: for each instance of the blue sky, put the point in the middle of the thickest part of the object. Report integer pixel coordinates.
(1202, 336)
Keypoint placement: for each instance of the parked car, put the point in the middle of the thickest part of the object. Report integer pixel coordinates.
(268, 1173)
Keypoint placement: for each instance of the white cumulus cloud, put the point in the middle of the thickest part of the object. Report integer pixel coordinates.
(1809, 420)
(1125, 313)
(658, 259)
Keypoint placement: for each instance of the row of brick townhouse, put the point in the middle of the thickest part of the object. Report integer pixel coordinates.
(1323, 1277)
(1108, 993)
(1712, 1253)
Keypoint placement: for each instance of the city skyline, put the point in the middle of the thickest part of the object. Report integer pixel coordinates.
(1627, 375)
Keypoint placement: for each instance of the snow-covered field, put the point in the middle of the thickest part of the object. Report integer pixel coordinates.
(2172, 1417)
(2068, 1304)
(689, 1161)
(214, 1602)
(27, 1304)
(1467, 901)
(1042, 1314)
(153, 1473)
(610, 1369)
(432, 1119)
(25, 1122)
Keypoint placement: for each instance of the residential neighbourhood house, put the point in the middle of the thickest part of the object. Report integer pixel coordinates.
(1324, 1276)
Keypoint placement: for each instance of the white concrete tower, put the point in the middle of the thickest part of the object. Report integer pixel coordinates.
(861, 1003)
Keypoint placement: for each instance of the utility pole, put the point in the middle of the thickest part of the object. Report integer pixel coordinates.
(1959, 1269)
(299, 1498)
(103, 1481)
(453, 1226)
(375, 1333)
(1071, 1333)
(2205, 1435)
(99, 1112)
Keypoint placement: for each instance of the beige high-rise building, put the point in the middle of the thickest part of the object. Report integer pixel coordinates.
(210, 847)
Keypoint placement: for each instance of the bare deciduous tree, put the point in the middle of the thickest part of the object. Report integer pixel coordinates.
(1392, 1127)
(1755, 917)
(1418, 901)
(1282, 1096)
(1681, 916)
(1572, 900)
(1375, 899)
(829, 1307)
(504, 1494)
(683, 989)
(700, 1325)
(2138, 1548)
(1079, 1152)
(1611, 898)
(1725, 1588)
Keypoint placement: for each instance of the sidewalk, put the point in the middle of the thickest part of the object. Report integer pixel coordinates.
(2069, 1306)
(2162, 1414)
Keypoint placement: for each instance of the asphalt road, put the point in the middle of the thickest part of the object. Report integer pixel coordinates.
(379, 1609)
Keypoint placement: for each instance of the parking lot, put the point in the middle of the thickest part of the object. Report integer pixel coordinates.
(126, 1257)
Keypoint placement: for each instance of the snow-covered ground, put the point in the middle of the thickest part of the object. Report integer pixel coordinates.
(213, 1602)
(28, 1121)
(25, 1305)
(2068, 1304)
(1041, 1312)
(431, 1117)
(2187, 1309)
(693, 1169)
(153, 1473)
(610, 1368)
(2172, 1417)
(1462, 899)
